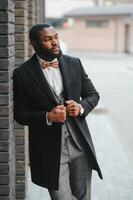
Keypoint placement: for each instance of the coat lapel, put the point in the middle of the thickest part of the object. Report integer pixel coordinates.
(65, 76)
(35, 72)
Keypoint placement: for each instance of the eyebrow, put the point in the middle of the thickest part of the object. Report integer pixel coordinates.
(51, 36)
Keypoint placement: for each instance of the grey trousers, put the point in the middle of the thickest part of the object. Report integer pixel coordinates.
(75, 173)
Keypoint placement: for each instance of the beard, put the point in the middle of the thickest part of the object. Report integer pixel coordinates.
(45, 54)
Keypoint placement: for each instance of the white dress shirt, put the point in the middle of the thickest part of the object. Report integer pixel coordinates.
(54, 78)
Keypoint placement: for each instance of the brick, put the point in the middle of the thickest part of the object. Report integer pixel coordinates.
(4, 88)
(7, 198)
(4, 76)
(4, 190)
(19, 136)
(20, 164)
(20, 4)
(4, 146)
(4, 169)
(21, 21)
(4, 99)
(19, 132)
(4, 122)
(4, 157)
(20, 29)
(19, 61)
(6, 17)
(20, 141)
(31, 16)
(20, 179)
(7, 5)
(4, 5)
(4, 111)
(20, 172)
(20, 187)
(11, 17)
(4, 179)
(20, 195)
(20, 156)
(6, 40)
(4, 134)
(7, 28)
(20, 149)
(21, 53)
(3, 40)
(31, 22)
(21, 13)
(6, 64)
(19, 46)
(20, 37)
(7, 52)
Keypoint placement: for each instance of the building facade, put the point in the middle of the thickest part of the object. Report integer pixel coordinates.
(16, 17)
(100, 29)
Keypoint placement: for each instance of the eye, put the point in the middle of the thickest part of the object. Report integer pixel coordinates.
(46, 39)
(56, 37)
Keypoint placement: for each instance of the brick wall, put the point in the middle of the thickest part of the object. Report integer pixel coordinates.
(7, 136)
(31, 20)
(21, 55)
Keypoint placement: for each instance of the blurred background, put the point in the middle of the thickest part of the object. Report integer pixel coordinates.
(100, 33)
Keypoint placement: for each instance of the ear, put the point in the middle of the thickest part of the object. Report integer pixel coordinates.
(33, 43)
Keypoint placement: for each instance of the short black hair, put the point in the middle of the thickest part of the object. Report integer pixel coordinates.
(33, 33)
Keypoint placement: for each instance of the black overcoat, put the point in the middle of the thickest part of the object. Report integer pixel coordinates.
(33, 99)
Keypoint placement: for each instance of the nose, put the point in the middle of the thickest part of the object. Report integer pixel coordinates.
(54, 41)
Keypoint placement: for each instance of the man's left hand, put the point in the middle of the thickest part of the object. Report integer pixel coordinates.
(72, 108)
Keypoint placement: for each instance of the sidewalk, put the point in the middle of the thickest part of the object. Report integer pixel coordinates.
(118, 176)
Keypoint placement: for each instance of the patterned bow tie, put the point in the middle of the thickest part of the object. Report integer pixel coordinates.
(54, 64)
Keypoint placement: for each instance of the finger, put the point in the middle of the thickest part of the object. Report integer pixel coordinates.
(60, 109)
(70, 106)
(73, 105)
(72, 109)
(69, 102)
(60, 106)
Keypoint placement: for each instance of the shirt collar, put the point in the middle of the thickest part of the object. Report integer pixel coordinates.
(41, 60)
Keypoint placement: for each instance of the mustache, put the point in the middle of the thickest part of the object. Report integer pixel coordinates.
(46, 53)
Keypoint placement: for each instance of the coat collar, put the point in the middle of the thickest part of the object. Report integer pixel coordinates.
(35, 72)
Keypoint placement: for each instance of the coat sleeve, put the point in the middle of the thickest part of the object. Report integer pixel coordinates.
(89, 95)
(22, 112)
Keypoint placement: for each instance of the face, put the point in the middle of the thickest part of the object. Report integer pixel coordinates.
(49, 40)
(48, 46)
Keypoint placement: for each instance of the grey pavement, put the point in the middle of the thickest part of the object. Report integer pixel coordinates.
(118, 177)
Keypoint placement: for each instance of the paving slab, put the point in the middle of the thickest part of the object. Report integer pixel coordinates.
(118, 176)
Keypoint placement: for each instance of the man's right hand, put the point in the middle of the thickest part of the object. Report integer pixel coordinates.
(57, 114)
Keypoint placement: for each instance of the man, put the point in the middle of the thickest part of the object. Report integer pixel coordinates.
(53, 95)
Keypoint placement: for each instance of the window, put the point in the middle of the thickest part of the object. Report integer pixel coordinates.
(97, 23)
